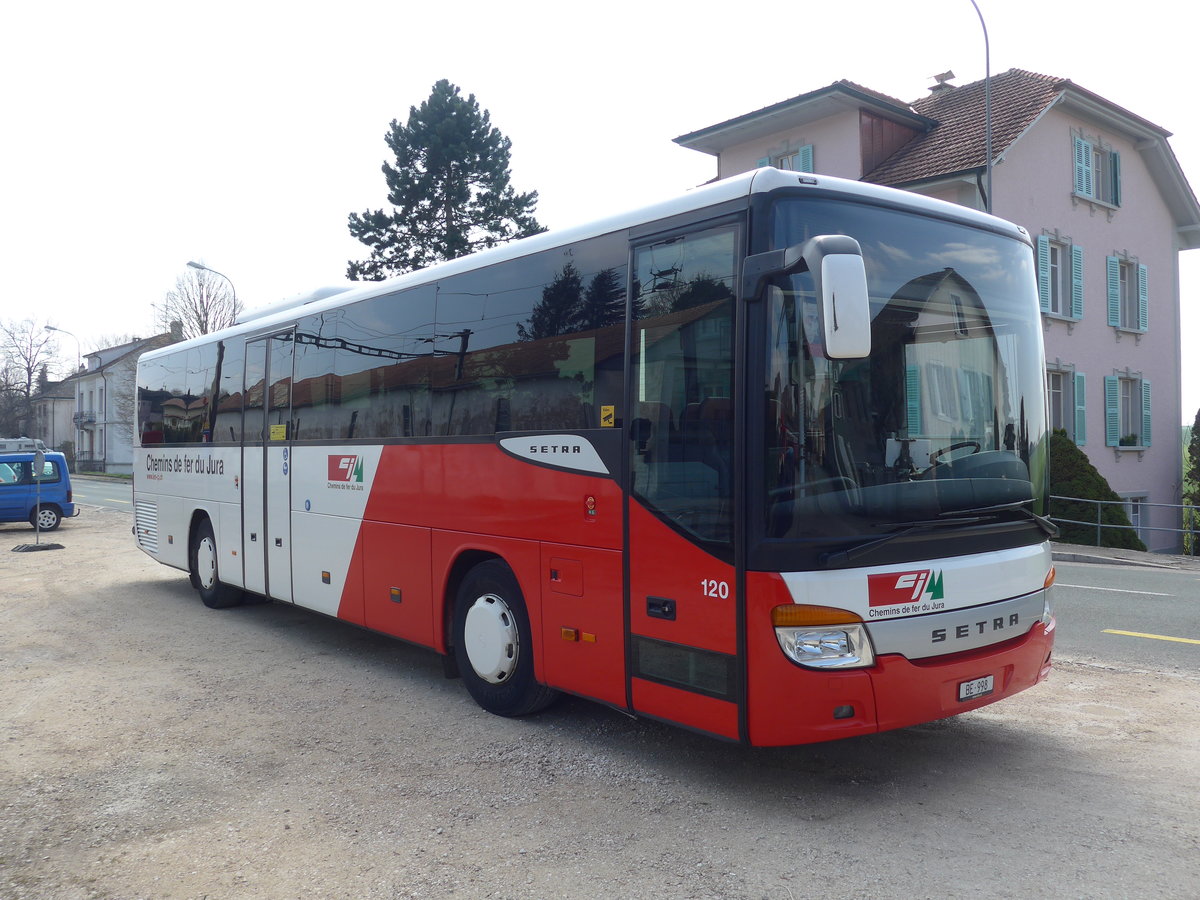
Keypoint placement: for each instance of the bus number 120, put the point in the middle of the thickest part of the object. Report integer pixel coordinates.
(714, 588)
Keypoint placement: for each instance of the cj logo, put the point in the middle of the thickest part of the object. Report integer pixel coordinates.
(346, 468)
(893, 588)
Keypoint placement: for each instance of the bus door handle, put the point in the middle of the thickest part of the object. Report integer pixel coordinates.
(278, 542)
(660, 608)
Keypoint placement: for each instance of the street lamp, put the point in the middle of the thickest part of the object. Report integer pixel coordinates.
(195, 265)
(77, 351)
(987, 106)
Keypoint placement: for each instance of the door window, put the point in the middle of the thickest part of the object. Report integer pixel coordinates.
(682, 410)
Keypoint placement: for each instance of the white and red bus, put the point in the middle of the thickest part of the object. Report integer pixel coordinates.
(767, 461)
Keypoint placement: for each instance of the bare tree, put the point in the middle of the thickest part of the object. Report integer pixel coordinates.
(25, 348)
(202, 301)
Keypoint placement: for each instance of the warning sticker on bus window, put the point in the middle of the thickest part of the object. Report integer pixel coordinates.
(608, 416)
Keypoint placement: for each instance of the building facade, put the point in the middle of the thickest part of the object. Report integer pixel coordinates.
(53, 410)
(105, 405)
(1107, 205)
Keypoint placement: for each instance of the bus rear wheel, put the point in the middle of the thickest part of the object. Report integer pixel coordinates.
(493, 643)
(204, 570)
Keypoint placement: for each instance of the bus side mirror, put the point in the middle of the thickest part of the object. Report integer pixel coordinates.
(840, 281)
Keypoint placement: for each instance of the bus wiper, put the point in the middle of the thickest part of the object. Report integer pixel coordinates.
(841, 557)
(1018, 506)
(949, 519)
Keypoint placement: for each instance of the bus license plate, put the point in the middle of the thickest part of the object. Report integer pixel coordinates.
(977, 687)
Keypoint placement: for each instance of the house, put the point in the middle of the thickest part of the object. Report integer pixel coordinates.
(53, 408)
(106, 403)
(1104, 199)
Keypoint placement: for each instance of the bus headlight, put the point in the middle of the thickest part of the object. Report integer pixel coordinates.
(822, 637)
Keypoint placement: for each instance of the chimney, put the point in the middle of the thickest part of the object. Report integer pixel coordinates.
(176, 331)
(943, 82)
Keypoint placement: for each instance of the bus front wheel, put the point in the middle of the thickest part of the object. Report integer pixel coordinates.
(204, 570)
(493, 643)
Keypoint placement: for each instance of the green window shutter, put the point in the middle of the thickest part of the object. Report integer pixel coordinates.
(804, 159)
(1114, 291)
(1080, 410)
(1083, 167)
(763, 163)
(1145, 413)
(1143, 298)
(1115, 168)
(1076, 282)
(1112, 411)
(1043, 272)
(912, 396)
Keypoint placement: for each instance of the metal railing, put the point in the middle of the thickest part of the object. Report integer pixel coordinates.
(89, 462)
(1187, 519)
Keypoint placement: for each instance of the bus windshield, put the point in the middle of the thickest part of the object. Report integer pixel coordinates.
(943, 422)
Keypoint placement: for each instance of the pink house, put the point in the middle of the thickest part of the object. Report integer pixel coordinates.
(1104, 199)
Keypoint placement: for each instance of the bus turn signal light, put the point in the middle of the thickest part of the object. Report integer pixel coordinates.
(800, 615)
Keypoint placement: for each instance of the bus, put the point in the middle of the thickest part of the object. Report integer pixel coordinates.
(767, 461)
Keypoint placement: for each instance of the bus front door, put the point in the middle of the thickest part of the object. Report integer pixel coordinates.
(683, 656)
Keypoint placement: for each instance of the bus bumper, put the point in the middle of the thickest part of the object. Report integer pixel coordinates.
(790, 705)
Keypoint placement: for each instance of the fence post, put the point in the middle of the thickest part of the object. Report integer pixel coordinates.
(1099, 508)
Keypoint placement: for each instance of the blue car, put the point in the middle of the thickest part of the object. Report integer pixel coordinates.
(21, 487)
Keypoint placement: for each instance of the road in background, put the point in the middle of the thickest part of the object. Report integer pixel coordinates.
(1091, 602)
(110, 493)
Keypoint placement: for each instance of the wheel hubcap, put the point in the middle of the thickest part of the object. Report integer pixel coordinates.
(206, 563)
(490, 639)
(45, 518)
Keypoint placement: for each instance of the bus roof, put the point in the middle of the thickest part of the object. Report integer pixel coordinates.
(714, 193)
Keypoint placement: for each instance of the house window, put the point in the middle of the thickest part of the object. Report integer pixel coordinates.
(1128, 294)
(1097, 171)
(1060, 277)
(1065, 396)
(943, 392)
(1126, 411)
(1135, 509)
(797, 160)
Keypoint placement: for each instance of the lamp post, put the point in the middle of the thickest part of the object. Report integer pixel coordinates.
(78, 388)
(987, 106)
(78, 355)
(192, 264)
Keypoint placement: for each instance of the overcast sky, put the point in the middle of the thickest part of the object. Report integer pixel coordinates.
(137, 136)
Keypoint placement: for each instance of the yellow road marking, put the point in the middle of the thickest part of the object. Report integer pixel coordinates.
(1156, 637)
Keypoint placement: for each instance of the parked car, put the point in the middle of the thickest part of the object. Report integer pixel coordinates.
(21, 489)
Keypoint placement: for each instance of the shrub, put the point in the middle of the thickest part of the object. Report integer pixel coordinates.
(1073, 475)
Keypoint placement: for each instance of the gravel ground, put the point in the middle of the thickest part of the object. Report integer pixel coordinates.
(150, 747)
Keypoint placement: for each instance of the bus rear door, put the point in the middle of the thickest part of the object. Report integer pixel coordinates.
(266, 467)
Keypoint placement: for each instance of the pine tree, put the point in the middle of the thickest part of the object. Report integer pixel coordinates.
(449, 188)
(558, 310)
(1191, 466)
(1191, 489)
(604, 301)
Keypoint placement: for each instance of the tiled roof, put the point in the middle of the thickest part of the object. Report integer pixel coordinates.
(957, 142)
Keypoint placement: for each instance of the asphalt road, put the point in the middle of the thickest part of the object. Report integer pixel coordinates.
(1132, 616)
(108, 493)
